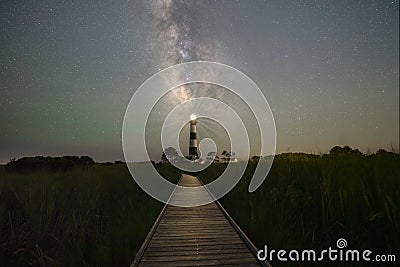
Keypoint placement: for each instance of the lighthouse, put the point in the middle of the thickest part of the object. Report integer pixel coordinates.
(193, 138)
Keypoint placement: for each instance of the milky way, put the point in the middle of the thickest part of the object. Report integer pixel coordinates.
(180, 32)
(183, 35)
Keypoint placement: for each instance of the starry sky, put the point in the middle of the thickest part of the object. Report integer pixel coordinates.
(329, 69)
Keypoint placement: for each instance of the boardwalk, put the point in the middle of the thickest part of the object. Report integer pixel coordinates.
(198, 236)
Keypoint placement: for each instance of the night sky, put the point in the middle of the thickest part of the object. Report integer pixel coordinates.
(329, 69)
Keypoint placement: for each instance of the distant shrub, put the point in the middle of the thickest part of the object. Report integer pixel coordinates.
(346, 150)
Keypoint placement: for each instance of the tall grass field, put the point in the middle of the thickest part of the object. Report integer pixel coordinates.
(98, 216)
(310, 201)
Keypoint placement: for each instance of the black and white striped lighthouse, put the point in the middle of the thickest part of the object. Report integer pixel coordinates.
(193, 155)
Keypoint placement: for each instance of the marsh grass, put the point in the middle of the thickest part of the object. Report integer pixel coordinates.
(83, 217)
(310, 201)
(99, 217)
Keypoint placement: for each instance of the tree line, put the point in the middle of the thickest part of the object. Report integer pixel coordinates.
(40, 163)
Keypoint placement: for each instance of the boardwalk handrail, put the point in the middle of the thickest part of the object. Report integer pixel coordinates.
(146, 242)
(238, 230)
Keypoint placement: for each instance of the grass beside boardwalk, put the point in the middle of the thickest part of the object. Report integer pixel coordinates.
(310, 201)
(84, 217)
(98, 216)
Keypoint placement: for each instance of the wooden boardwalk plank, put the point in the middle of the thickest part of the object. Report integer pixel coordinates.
(195, 236)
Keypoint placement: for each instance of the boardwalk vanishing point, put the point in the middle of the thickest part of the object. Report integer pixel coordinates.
(196, 236)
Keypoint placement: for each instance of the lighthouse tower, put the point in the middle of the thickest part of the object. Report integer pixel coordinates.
(193, 155)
